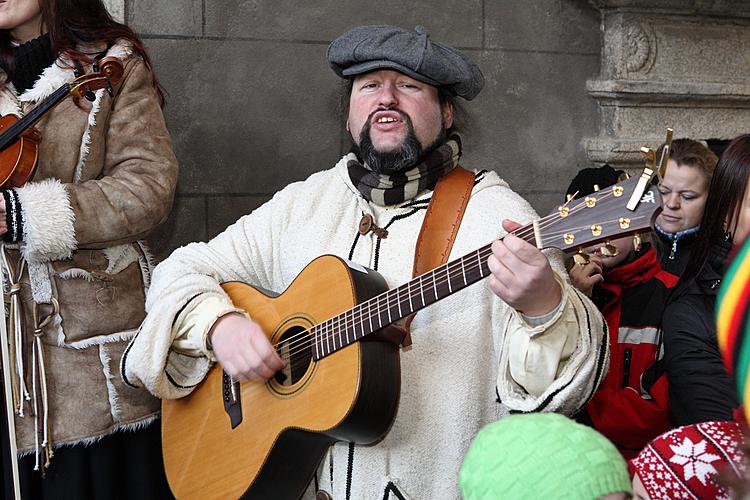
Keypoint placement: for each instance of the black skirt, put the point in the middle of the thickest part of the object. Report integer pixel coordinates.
(123, 465)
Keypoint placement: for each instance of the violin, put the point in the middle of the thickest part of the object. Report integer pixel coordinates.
(19, 140)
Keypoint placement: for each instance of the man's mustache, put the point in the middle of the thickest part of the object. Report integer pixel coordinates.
(404, 117)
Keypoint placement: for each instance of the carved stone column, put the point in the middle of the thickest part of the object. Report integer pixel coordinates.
(683, 64)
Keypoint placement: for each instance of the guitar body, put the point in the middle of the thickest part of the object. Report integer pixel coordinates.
(18, 160)
(287, 425)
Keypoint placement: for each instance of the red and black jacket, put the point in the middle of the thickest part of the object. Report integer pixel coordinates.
(632, 299)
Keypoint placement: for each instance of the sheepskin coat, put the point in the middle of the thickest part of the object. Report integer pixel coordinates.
(473, 357)
(105, 178)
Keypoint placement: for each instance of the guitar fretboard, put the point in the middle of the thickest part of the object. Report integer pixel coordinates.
(397, 303)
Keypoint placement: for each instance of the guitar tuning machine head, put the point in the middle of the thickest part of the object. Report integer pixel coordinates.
(609, 250)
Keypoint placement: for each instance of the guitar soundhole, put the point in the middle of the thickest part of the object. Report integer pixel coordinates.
(295, 348)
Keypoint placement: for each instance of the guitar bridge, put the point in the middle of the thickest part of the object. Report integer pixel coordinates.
(230, 392)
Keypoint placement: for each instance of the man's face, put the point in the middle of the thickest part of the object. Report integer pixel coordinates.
(385, 105)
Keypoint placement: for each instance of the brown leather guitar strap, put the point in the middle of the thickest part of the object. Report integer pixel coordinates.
(439, 227)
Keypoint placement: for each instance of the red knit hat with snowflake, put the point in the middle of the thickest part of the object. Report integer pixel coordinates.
(684, 462)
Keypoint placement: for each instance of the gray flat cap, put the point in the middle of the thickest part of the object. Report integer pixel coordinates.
(368, 48)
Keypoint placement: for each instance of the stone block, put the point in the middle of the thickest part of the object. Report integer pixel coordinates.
(186, 223)
(669, 64)
(223, 211)
(176, 17)
(726, 8)
(529, 121)
(116, 9)
(248, 117)
(659, 47)
(570, 26)
(457, 23)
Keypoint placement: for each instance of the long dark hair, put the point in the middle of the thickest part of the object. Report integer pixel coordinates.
(71, 23)
(725, 195)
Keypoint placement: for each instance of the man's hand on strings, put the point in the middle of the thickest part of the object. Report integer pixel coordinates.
(243, 349)
(521, 275)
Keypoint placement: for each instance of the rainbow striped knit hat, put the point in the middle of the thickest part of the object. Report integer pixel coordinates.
(733, 322)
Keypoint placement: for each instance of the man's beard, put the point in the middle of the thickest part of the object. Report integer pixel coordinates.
(409, 155)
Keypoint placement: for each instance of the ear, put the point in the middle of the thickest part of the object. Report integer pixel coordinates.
(447, 112)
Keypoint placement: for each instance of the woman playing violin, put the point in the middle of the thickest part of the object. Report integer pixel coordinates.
(77, 267)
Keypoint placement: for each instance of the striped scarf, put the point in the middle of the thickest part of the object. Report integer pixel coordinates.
(397, 187)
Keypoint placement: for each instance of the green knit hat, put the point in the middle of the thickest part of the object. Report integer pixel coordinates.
(542, 455)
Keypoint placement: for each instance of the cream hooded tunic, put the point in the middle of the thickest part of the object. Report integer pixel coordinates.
(473, 357)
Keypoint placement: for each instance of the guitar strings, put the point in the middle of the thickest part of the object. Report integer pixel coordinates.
(359, 315)
(523, 232)
(344, 320)
(350, 319)
(356, 315)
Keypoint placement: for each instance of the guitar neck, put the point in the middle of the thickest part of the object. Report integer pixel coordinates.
(22, 125)
(397, 303)
(624, 208)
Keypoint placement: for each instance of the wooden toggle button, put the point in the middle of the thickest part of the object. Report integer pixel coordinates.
(365, 224)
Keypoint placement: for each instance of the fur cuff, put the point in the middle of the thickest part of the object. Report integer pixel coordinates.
(48, 232)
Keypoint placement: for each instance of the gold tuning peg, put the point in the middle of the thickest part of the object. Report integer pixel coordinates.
(581, 258)
(609, 250)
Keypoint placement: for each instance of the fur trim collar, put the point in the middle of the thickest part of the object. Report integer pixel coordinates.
(62, 71)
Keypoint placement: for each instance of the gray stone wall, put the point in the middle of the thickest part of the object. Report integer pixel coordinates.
(252, 104)
(669, 63)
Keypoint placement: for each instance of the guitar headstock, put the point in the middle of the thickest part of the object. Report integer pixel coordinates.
(600, 216)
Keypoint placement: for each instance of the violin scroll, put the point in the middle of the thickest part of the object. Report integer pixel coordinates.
(111, 67)
(106, 73)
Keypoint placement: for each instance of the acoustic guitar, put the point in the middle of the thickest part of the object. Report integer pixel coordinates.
(334, 328)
